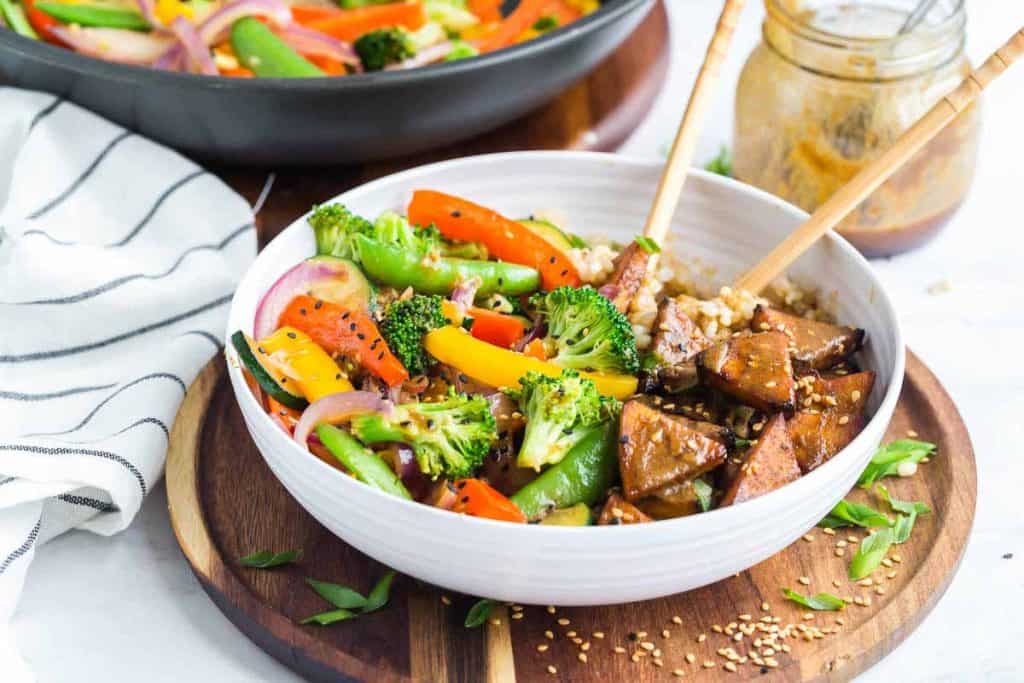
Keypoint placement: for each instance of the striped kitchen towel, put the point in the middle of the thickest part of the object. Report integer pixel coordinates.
(118, 259)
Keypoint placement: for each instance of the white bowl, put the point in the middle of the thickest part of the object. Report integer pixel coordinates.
(720, 221)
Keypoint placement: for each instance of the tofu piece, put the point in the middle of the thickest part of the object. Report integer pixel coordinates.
(844, 394)
(617, 510)
(675, 500)
(817, 436)
(629, 273)
(769, 464)
(657, 449)
(677, 338)
(754, 369)
(815, 345)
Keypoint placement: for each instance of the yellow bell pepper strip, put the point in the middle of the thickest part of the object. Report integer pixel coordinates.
(169, 10)
(500, 367)
(299, 358)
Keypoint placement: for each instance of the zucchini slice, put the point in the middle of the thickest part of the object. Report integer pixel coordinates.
(263, 376)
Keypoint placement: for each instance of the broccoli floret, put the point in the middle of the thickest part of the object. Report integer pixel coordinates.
(450, 438)
(405, 322)
(334, 227)
(390, 228)
(377, 49)
(586, 332)
(560, 412)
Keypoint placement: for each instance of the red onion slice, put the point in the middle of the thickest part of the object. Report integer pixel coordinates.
(300, 279)
(148, 10)
(442, 496)
(337, 408)
(114, 44)
(313, 43)
(428, 55)
(217, 26)
(199, 59)
(464, 293)
(172, 59)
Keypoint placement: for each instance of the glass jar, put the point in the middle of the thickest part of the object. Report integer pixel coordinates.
(830, 87)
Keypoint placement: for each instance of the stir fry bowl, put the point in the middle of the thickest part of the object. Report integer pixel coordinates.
(718, 221)
(325, 120)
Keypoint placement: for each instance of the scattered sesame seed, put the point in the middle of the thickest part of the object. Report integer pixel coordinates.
(809, 538)
(677, 620)
(708, 664)
(702, 637)
(690, 657)
(563, 621)
(598, 634)
(657, 662)
(495, 622)
(716, 628)
(542, 647)
(837, 583)
(585, 646)
(678, 673)
(829, 532)
(912, 434)
(744, 617)
(729, 666)
(549, 635)
(552, 609)
(840, 552)
(582, 657)
(517, 615)
(765, 607)
(552, 670)
(635, 657)
(666, 634)
(804, 580)
(647, 645)
(620, 650)
(570, 634)
(445, 600)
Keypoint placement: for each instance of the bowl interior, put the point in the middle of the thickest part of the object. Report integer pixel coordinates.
(719, 222)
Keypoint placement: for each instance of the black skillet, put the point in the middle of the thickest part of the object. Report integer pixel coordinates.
(325, 120)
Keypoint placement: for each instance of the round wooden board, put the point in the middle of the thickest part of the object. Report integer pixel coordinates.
(225, 503)
(596, 114)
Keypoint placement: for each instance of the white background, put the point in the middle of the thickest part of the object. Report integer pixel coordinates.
(128, 608)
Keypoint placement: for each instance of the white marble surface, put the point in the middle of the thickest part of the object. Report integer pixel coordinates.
(127, 608)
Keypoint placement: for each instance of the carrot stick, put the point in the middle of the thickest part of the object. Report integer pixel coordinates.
(486, 10)
(524, 16)
(506, 239)
(348, 25)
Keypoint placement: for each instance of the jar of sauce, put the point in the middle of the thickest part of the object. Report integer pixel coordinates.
(831, 86)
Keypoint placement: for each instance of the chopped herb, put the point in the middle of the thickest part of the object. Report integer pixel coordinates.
(339, 596)
(544, 24)
(265, 559)
(721, 164)
(380, 593)
(327, 618)
(846, 513)
(903, 527)
(887, 460)
(704, 493)
(648, 245)
(870, 554)
(909, 511)
(742, 443)
(822, 602)
(479, 612)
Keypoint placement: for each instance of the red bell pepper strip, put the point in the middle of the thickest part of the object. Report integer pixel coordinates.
(476, 498)
(496, 328)
(505, 239)
(524, 16)
(349, 24)
(352, 334)
(41, 22)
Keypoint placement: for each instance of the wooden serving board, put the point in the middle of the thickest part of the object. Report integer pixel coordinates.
(225, 503)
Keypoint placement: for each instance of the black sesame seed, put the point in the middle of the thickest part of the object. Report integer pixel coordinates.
(291, 335)
(552, 260)
(430, 424)
(352, 327)
(302, 311)
(461, 485)
(380, 356)
(465, 499)
(565, 272)
(623, 439)
(500, 282)
(360, 336)
(345, 315)
(338, 376)
(261, 349)
(318, 304)
(633, 636)
(456, 214)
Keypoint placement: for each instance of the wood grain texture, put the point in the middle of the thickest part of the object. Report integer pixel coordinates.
(867, 180)
(596, 114)
(237, 507)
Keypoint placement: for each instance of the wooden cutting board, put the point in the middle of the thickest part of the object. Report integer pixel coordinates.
(225, 503)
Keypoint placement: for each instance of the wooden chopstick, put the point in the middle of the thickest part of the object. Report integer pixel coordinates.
(680, 157)
(875, 173)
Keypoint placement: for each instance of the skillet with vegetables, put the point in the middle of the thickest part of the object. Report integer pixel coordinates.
(480, 364)
(277, 39)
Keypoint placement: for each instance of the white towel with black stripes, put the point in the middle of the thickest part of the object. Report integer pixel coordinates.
(118, 259)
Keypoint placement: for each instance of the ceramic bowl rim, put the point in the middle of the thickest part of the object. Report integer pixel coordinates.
(806, 485)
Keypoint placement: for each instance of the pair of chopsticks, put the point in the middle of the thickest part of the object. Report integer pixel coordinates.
(844, 200)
